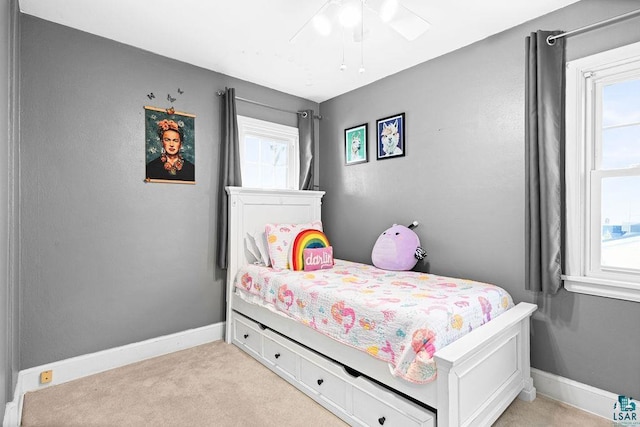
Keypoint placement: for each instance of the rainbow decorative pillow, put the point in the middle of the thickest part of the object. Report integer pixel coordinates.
(306, 239)
(280, 238)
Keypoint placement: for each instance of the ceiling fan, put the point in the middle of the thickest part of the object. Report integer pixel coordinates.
(350, 13)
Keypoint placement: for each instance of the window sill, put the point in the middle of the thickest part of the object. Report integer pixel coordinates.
(628, 291)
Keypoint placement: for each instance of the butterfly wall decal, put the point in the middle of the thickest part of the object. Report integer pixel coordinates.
(170, 98)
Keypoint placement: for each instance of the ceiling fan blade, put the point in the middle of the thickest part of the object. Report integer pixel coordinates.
(408, 24)
(405, 22)
(318, 12)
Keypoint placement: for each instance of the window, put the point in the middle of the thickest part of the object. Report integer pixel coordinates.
(603, 174)
(268, 154)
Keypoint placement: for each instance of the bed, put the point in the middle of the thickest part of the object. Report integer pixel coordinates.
(477, 375)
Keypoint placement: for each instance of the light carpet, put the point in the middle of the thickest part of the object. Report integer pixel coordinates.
(217, 384)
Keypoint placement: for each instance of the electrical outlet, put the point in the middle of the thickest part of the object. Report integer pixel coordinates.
(46, 377)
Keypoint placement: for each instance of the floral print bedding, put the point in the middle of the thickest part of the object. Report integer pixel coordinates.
(401, 317)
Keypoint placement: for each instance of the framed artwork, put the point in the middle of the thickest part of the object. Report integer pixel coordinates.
(390, 141)
(169, 146)
(355, 145)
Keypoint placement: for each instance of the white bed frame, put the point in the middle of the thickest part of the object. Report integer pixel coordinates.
(478, 376)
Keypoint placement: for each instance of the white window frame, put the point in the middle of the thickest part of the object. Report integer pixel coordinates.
(584, 78)
(262, 128)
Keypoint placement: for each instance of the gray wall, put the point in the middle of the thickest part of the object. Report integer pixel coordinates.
(107, 259)
(463, 179)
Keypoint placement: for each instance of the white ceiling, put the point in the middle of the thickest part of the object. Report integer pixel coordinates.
(249, 39)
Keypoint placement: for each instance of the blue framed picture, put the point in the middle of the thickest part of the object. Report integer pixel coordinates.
(390, 142)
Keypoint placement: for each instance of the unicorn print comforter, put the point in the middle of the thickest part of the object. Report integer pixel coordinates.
(401, 317)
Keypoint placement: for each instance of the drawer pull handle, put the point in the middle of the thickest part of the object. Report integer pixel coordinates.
(381, 420)
(246, 336)
(277, 355)
(320, 381)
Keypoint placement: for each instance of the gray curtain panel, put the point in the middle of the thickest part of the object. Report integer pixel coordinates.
(544, 162)
(229, 169)
(307, 148)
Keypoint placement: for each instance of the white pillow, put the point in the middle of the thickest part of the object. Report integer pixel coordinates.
(279, 239)
(260, 239)
(257, 245)
(250, 246)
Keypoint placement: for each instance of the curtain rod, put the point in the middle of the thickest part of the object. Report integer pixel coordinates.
(302, 113)
(552, 39)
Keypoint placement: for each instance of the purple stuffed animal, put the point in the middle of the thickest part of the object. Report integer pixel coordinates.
(397, 248)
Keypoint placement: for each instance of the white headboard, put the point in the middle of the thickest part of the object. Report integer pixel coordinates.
(250, 209)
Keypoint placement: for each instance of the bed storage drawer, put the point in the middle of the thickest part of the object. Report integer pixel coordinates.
(323, 382)
(393, 411)
(247, 334)
(279, 355)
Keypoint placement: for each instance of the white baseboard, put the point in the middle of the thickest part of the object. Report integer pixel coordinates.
(590, 399)
(94, 363)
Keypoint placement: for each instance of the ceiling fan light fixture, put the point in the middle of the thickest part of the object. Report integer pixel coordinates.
(349, 15)
(388, 10)
(322, 24)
